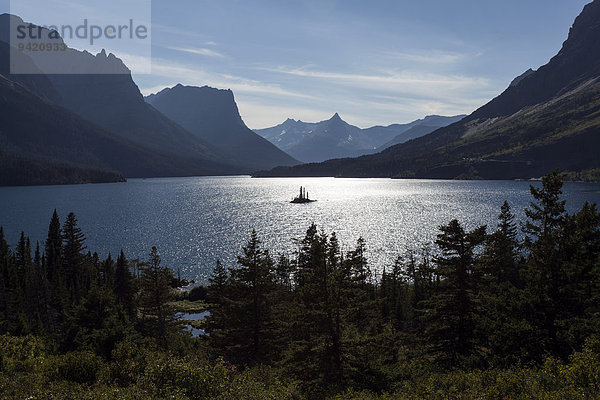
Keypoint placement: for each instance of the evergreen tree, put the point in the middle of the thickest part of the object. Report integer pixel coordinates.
(546, 214)
(545, 228)
(397, 293)
(502, 324)
(11, 293)
(247, 334)
(579, 315)
(53, 250)
(73, 266)
(4, 290)
(35, 293)
(218, 321)
(283, 304)
(284, 272)
(450, 311)
(217, 282)
(159, 317)
(106, 271)
(363, 288)
(124, 286)
(53, 265)
(502, 250)
(97, 323)
(317, 318)
(362, 317)
(18, 277)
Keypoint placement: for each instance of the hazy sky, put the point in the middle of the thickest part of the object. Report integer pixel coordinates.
(374, 62)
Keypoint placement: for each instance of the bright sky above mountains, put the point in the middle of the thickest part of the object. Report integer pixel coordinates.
(375, 62)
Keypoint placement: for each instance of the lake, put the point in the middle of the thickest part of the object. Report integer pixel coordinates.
(193, 221)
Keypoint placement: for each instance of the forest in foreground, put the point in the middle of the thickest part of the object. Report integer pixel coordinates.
(511, 311)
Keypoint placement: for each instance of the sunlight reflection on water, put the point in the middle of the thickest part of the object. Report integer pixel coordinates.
(194, 221)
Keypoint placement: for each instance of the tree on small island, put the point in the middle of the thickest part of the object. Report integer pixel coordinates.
(302, 197)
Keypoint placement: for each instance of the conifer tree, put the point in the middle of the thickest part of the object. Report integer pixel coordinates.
(73, 273)
(159, 317)
(124, 285)
(7, 291)
(97, 323)
(544, 229)
(18, 277)
(248, 293)
(501, 325)
(363, 304)
(397, 299)
(579, 314)
(450, 312)
(53, 265)
(318, 315)
(35, 293)
(217, 282)
(53, 250)
(218, 321)
(284, 272)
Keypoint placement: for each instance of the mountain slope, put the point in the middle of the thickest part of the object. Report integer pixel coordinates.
(52, 145)
(212, 115)
(549, 119)
(412, 133)
(36, 83)
(108, 97)
(384, 136)
(420, 127)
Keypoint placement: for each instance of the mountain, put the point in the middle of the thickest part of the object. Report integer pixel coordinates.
(212, 115)
(43, 143)
(334, 138)
(287, 134)
(106, 95)
(415, 129)
(548, 119)
(412, 133)
(519, 78)
(35, 82)
(313, 142)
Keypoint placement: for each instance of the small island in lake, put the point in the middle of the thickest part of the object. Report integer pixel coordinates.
(302, 197)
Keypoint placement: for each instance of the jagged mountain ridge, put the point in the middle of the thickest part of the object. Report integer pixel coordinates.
(335, 138)
(313, 142)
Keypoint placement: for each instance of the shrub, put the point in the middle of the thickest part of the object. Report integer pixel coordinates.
(194, 379)
(77, 366)
(21, 353)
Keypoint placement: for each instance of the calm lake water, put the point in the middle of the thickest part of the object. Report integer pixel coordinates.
(194, 221)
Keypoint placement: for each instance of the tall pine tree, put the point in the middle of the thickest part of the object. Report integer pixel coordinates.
(247, 333)
(73, 268)
(450, 312)
(159, 317)
(544, 228)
